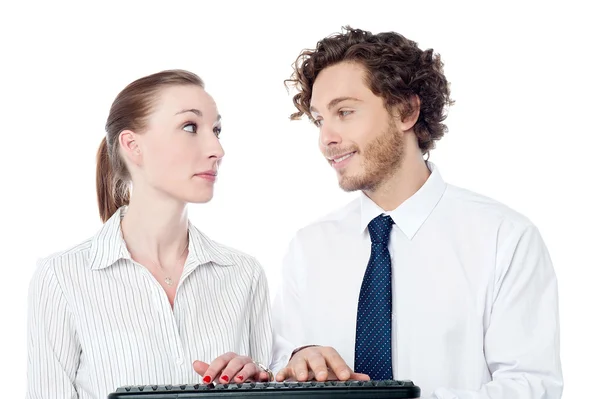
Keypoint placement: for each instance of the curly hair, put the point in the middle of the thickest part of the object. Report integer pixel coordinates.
(396, 70)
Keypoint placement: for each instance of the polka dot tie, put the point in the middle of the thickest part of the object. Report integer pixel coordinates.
(373, 347)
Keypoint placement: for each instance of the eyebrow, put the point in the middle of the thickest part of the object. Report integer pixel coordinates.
(197, 112)
(335, 102)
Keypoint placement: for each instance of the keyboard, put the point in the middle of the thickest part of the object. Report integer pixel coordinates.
(275, 390)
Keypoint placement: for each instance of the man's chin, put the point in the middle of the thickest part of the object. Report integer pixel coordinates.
(356, 183)
(348, 185)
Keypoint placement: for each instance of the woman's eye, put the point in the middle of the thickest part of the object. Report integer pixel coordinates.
(190, 127)
(217, 131)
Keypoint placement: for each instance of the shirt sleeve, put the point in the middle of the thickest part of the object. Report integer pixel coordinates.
(288, 316)
(52, 344)
(261, 334)
(522, 337)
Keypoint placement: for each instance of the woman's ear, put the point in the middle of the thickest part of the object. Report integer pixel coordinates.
(128, 141)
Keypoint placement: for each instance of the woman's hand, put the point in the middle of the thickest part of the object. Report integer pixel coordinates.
(230, 368)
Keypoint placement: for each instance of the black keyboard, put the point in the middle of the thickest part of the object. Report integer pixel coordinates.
(275, 390)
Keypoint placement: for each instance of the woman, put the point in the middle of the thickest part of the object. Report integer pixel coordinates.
(149, 294)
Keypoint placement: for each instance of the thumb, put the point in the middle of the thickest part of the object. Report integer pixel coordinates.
(283, 374)
(200, 367)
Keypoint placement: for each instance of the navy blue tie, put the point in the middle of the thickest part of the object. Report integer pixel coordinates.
(373, 347)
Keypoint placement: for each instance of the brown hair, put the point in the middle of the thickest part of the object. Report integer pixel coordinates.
(396, 70)
(129, 111)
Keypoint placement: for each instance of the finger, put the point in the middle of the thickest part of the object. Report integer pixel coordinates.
(216, 366)
(336, 364)
(200, 367)
(263, 376)
(359, 377)
(249, 371)
(233, 368)
(353, 377)
(318, 366)
(299, 368)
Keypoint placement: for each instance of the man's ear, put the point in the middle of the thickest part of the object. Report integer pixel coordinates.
(406, 115)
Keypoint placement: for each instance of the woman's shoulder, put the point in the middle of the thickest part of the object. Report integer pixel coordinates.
(217, 252)
(76, 255)
(52, 270)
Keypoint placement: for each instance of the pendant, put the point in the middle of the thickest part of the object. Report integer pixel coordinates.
(168, 281)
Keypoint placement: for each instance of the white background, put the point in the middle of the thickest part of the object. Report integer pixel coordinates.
(524, 129)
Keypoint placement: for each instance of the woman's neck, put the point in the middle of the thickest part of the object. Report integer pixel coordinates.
(155, 228)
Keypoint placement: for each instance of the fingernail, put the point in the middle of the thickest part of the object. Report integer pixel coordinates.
(225, 378)
(301, 375)
(239, 377)
(345, 374)
(206, 379)
(322, 374)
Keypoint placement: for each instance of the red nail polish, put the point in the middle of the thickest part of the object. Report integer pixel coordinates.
(239, 377)
(207, 379)
(225, 378)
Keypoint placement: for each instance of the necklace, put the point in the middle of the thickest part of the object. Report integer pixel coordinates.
(168, 280)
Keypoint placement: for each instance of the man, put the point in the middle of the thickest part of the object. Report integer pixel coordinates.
(416, 279)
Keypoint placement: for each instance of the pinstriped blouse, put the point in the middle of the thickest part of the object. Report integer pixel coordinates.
(99, 320)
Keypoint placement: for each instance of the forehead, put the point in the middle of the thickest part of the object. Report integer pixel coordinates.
(174, 99)
(340, 80)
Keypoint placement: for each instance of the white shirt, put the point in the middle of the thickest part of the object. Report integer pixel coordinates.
(98, 320)
(475, 310)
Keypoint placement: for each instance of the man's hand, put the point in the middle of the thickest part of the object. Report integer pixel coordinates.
(230, 368)
(320, 363)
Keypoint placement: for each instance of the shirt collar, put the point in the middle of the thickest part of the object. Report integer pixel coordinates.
(413, 212)
(108, 246)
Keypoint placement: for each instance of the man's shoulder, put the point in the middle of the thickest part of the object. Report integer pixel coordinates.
(472, 205)
(339, 218)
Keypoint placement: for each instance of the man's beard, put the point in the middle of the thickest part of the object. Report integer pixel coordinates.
(380, 160)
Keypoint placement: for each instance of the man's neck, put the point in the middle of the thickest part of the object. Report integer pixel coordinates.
(410, 176)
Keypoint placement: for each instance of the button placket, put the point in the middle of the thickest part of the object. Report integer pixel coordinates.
(167, 316)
